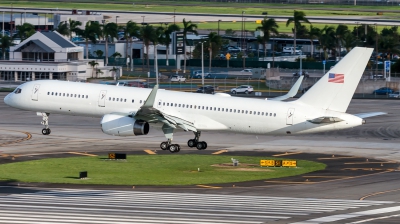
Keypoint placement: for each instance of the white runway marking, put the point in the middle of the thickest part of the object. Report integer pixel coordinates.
(102, 206)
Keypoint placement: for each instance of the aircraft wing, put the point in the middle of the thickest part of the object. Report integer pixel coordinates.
(370, 114)
(151, 114)
(321, 120)
(292, 92)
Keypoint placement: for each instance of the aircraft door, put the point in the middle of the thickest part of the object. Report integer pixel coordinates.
(35, 92)
(102, 98)
(289, 116)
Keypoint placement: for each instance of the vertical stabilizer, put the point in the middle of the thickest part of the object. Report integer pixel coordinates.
(336, 88)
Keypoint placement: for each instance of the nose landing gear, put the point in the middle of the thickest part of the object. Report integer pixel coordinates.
(171, 147)
(45, 122)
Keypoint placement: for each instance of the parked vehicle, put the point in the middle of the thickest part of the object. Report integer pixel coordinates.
(394, 94)
(206, 89)
(197, 75)
(242, 89)
(134, 83)
(178, 78)
(297, 74)
(246, 70)
(383, 91)
(290, 50)
(378, 76)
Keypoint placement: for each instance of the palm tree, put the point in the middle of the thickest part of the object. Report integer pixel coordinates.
(259, 41)
(63, 28)
(349, 41)
(268, 26)
(148, 34)
(327, 39)
(93, 64)
(340, 31)
(157, 38)
(5, 43)
(298, 17)
(91, 32)
(130, 30)
(214, 43)
(188, 27)
(114, 71)
(74, 27)
(167, 38)
(110, 30)
(313, 33)
(25, 31)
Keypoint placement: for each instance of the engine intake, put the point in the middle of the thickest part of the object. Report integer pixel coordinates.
(113, 124)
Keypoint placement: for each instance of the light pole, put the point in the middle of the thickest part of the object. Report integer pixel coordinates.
(24, 15)
(218, 26)
(376, 47)
(241, 42)
(143, 20)
(202, 64)
(116, 19)
(174, 15)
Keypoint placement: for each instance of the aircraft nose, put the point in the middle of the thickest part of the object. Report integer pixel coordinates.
(7, 99)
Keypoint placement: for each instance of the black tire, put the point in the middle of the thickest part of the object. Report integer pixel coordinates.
(164, 145)
(173, 148)
(199, 145)
(204, 145)
(247, 92)
(48, 131)
(233, 92)
(44, 131)
(179, 148)
(191, 143)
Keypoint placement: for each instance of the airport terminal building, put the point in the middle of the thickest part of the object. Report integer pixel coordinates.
(49, 55)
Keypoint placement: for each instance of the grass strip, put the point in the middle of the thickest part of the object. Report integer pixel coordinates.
(149, 170)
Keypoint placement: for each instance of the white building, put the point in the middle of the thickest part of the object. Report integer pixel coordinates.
(49, 55)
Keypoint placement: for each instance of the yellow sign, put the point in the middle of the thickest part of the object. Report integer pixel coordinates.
(289, 163)
(258, 21)
(267, 162)
(111, 155)
(227, 56)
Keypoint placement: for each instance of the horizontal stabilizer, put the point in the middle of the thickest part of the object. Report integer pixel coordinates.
(292, 92)
(321, 120)
(370, 114)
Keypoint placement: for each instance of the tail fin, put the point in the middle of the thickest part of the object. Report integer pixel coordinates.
(336, 88)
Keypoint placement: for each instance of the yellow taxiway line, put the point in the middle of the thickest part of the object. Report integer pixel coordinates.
(288, 153)
(151, 152)
(81, 153)
(206, 186)
(378, 193)
(219, 152)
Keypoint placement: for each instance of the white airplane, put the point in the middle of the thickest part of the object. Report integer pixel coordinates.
(128, 111)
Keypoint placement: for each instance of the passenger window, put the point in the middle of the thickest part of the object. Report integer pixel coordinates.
(75, 95)
(266, 113)
(140, 101)
(203, 108)
(117, 99)
(109, 98)
(246, 111)
(132, 100)
(274, 114)
(262, 113)
(206, 108)
(63, 94)
(234, 111)
(215, 108)
(56, 94)
(159, 103)
(88, 97)
(52, 93)
(167, 104)
(230, 110)
(255, 113)
(124, 100)
(176, 104)
(270, 114)
(79, 96)
(250, 112)
(242, 111)
(48, 93)
(163, 104)
(222, 109)
(113, 99)
(258, 113)
(190, 106)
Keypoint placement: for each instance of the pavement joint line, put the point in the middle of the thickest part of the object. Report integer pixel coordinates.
(207, 186)
(288, 153)
(344, 157)
(368, 163)
(220, 152)
(378, 193)
(289, 182)
(83, 154)
(149, 151)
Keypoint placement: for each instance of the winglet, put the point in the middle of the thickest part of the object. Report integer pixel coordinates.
(292, 92)
(151, 98)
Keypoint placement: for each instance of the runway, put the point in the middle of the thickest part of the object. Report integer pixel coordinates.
(104, 206)
(352, 195)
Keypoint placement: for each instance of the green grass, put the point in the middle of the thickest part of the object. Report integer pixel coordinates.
(147, 170)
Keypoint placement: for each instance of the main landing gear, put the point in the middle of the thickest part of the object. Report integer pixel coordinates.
(196, 143)
(171, 147)
(45, 122)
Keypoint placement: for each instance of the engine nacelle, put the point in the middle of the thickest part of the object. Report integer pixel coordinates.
(113, 124)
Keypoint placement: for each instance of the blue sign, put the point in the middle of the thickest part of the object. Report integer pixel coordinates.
(387, 66)
(323, 62)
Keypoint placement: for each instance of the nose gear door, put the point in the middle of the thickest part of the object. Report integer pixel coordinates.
(289, 116)
(102, 98)
(35, 92)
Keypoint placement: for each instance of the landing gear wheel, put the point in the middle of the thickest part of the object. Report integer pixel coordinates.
(44, 131)
(204, 145)
(173, 148)
(192, 143)
(199, 145)
(179, 148)
(164, 145)
(48, 131)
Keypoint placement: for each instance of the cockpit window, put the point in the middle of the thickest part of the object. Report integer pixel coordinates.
(17, 91)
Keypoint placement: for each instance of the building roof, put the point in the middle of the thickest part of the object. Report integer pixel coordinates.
(37, 46)
(58, 39)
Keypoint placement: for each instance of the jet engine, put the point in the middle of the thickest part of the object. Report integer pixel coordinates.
(114, 124)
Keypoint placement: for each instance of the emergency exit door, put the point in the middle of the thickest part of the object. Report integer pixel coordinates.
(289, 116)
(35, 92)
(102, 98)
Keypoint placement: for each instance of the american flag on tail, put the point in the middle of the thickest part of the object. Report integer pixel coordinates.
(336, 78)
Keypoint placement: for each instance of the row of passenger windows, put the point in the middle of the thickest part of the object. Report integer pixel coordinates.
(120, 99)
(68, 95)
(217, 109)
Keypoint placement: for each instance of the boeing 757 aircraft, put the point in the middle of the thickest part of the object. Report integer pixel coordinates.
(130, 111)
